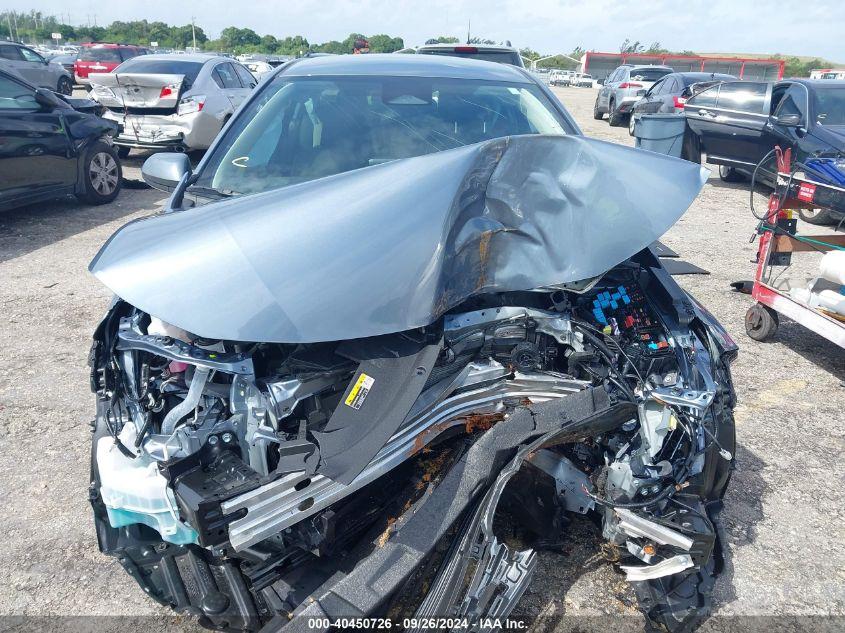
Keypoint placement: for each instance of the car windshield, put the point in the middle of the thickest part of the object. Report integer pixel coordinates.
(829, 106)
(649, 74)
(308, 127)
(99, 55)
(161, 66)
(502, 57)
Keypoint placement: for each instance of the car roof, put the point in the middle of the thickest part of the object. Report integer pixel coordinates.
(817, 83)
(481, 47)
(199, 58)
(108, 45)
(702, 75)
(641, 66)
(397, 64)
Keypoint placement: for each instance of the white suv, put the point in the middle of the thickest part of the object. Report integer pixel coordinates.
(623, 87)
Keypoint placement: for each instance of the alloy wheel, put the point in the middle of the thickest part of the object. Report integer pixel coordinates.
(102, 171)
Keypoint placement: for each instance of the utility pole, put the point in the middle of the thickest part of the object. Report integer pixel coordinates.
(469, 24)
(9, 20)
(194, 33)
(17, 33)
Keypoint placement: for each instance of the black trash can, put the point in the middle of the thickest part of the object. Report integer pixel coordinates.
(661, 133)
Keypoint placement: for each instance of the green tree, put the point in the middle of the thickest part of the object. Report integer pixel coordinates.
(385, 44)
(443, 39)
(234, 39)
(631, 47)
(292, 45)
(656, 49)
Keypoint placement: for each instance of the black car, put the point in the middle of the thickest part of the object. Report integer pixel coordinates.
(669, 95)
(737, 124)
(66, 61)
(50, 149)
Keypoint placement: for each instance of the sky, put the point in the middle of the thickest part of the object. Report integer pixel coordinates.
(811, 27)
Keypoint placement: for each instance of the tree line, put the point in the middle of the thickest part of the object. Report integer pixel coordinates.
(37, 28)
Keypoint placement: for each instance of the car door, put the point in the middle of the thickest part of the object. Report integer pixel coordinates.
(654, 97)
(35, 69)
(672, 87)
(36, 158)
(730, 122)
(795, 102)
(12, 60)
(226, 78)
(248, 80)
(607, 88)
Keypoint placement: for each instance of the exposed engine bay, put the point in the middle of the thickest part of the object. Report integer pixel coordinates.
(297, 441)
(231, 479)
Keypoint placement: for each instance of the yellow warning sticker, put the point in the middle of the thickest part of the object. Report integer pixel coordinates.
(359, 391)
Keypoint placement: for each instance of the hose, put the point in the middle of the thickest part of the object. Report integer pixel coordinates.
(189, 403)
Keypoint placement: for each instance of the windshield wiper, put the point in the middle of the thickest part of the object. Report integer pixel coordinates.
(211, 192)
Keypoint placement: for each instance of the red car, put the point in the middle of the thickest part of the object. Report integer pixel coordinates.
(102, 58)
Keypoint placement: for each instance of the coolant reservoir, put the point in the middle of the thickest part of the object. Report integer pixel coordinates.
(134, 491)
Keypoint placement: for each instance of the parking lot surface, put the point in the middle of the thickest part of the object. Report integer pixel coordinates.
(784, 512)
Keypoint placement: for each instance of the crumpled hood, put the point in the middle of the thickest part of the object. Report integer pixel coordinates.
(392, 247)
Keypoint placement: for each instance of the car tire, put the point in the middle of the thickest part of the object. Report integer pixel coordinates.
(123, 152)
(818, 216)
(632, 124)
(729, 174)
(597, 114)
(101, 173)
(65, 86)
(615, 118)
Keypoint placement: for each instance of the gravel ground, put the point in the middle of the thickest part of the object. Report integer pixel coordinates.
(783, 516)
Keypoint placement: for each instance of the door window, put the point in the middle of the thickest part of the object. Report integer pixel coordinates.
(657, 88)
(225, 77)
(705, 98)
(743, 96)
(10, 52)
(31, 56)
(15, 96)
(246, 77)
(794, 102)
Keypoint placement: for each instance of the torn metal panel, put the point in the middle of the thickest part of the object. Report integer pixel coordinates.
(399, 244)
(666, 567)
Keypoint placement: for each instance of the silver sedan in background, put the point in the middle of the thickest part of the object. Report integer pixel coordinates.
(171, 102)
(24, 63)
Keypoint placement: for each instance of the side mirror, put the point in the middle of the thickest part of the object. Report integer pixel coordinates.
(45, 98)
(788, 120)
(640, 93)
(164, 171)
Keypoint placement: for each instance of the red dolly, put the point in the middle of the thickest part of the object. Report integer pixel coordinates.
(793, 191)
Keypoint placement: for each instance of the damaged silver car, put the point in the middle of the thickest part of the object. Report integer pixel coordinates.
(317, 401)
(172, 102)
